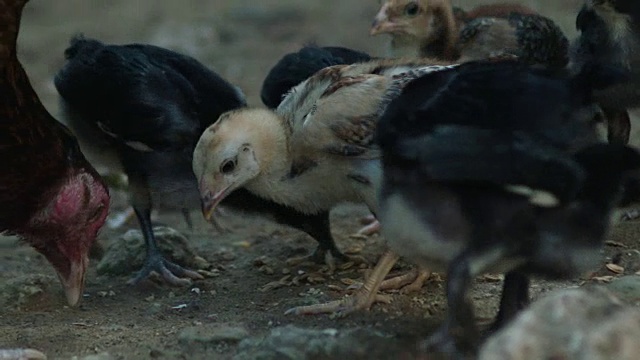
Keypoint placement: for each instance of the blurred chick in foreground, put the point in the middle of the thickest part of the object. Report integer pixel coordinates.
(495, 167)
(610, 34)
(313, 153)
(50, 196)
(147, 106)
(294, 68)
(425, 28)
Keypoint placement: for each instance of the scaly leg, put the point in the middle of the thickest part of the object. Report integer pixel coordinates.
(21, 354)
(362, 299)
(155, 262)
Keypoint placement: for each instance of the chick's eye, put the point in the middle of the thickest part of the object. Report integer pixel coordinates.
(411, 9)
(227, 166)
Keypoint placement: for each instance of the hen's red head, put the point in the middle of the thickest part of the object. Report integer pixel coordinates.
(66, 229)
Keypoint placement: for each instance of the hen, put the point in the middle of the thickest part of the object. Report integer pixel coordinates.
(313, 153)
(496, 167)
(50, 196)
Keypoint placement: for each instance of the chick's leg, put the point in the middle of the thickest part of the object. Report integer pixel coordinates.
(155, 262)
(459, 335)
(618, 125)
(21, 354)
(362, 299)
(317, 226)
(515, 297)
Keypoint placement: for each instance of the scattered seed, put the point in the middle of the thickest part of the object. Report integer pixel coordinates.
(604, 279)
(358, 237)
(346, 266)
(179, 307)
(334, 287)
(348, 281)
(615, 268)
(243, 244)
(209, 274)
(615, 244)
(355, 249)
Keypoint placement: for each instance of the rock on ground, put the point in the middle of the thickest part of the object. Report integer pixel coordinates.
(26, 290)
(127, 253)
(290, 342)
(583, 324)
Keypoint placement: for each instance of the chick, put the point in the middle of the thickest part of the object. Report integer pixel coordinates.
(436, 29)
(294, 68)
(314, 152)
(609, 33)
(144, 108)
(495, 166)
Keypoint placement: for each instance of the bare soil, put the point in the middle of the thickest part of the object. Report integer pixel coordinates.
(241, 40)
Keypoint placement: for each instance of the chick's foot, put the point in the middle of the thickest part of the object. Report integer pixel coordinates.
(21, 354)
(407, 283)
(172, 273)
(362, 299)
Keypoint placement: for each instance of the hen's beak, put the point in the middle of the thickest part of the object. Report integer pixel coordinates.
(210, 201)
(381, 23)
(73, 283)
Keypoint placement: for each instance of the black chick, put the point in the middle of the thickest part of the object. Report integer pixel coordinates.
(480, 173)
(149, 106)
(296, 67)
(610, 34)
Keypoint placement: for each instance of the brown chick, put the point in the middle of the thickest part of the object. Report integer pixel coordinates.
(50, 196)
(436, 29)
(610, 34)
(311, 154)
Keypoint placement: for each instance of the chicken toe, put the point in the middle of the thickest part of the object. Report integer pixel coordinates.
(171, 273)
(407, 283)
(362, 299)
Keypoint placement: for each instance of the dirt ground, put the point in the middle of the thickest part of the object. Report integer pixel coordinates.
(241, 40)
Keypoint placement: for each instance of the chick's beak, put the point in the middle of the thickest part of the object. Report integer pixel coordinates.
(210, 201)
(73, 282)
(381, 23)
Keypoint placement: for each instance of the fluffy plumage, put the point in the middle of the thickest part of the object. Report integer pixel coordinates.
(315, 151)
(610, 34)
(296, 67)
(147, 106)
(495, 166)
(436, 29)
(50, 195)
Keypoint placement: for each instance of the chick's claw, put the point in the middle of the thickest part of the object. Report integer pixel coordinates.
(173, 274)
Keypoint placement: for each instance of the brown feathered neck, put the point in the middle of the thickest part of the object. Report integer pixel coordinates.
(10, 15)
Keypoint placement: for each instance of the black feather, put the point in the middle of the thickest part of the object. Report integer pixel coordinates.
(296, 67)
